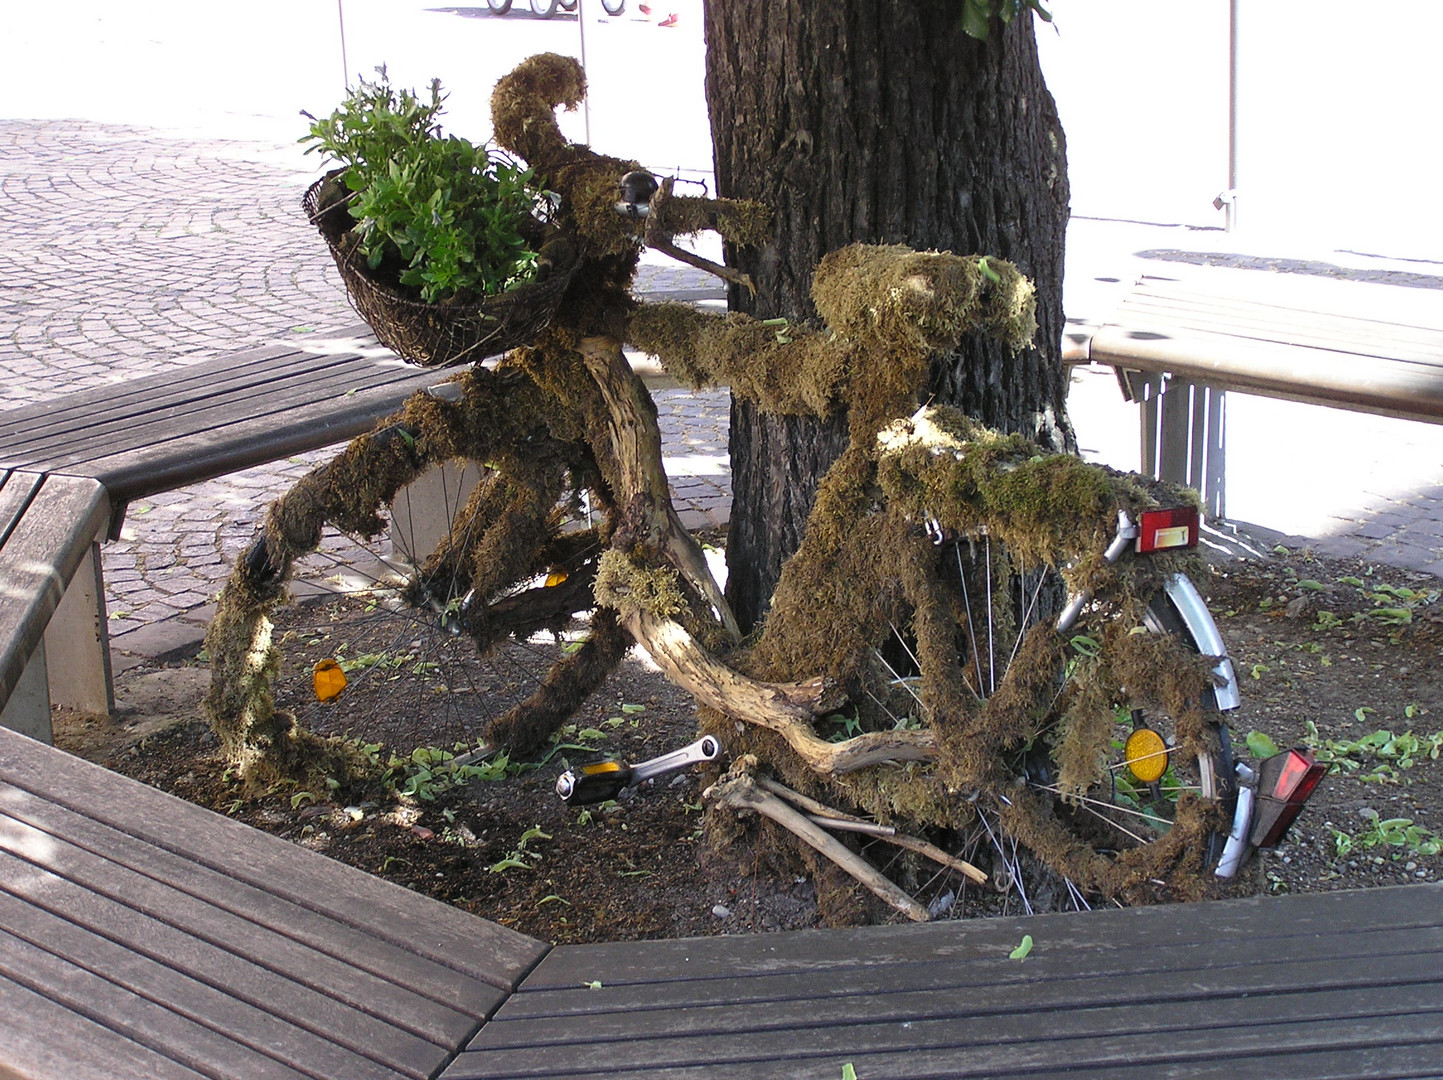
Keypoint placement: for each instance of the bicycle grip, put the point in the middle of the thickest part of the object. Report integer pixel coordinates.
(593, 783)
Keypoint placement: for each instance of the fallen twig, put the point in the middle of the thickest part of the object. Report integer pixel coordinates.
(739, 791)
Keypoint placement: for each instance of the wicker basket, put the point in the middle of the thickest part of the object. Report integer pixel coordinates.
(437, 335)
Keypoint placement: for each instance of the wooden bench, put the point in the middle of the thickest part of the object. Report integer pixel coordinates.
(47, 527)
(1179, 344)
(1324, 985)
(144, 937)
(138, 438)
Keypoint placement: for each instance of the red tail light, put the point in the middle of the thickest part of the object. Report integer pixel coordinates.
(1164, 530)
(1285, 781)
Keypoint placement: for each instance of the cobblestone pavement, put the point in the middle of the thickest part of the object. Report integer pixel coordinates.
(127, 252)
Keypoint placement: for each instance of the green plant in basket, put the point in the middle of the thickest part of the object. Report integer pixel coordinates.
(434, 213)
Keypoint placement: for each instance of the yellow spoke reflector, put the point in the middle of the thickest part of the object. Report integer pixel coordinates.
(556, 577)
(1146, 755)
(329, 680)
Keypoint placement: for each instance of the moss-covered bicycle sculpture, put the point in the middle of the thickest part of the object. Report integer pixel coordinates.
(921, 672)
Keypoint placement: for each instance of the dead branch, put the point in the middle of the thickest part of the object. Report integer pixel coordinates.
(783, 708)
(636, 440)
(937, 855)
(831, 818)
(739, 792)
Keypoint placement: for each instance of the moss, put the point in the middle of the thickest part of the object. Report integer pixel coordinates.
(887, 310)
(801, 375)
(524, 103)
(629, 585)
(526, 727)
(742, 222)
(868, 569)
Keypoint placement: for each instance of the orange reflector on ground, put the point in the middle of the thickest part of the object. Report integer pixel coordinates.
(330, 680)
(1146, 755)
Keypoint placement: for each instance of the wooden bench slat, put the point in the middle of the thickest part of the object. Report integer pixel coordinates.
(387, 1047)
(205, 376)
(1167, 307)
(472, 946)
(190, 457)
(46, 1041)
(1051, 1046)
(51, 523)
(160, 1015)
(17, 489)
(621, 1011)
(69, 412)
(166, 410)
(396, 965)
(191, 370)
(1261, 918)
(1366, 347)
(268, 946)
(1320, 377)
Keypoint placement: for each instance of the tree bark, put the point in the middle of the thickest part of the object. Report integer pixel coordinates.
(874, 121)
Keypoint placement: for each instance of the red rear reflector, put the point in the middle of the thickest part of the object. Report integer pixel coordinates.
(1284, 784)
(1164, 530)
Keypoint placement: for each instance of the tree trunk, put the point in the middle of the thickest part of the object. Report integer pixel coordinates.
(878, 121)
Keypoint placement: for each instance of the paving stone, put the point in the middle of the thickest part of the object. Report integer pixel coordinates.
(169, 639)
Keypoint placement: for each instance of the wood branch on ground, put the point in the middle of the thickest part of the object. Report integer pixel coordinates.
(831, 818)
(738, 790)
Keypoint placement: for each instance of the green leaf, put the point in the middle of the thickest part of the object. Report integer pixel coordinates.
(1023, 948)
(848, 1072)
(976, 19)
(1261, 745)
(595, 984)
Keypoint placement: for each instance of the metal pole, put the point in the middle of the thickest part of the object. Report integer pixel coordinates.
(345, 65)
(586, 101)
(1232, 205)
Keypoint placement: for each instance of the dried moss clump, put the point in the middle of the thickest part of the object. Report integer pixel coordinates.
(789, 370)
(887, 309)
(891, 296)
(630, 586)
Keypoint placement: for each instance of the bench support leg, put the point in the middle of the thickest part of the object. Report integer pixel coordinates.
(77, 643)
(1183, 434)
(422, 511)
(28, 708)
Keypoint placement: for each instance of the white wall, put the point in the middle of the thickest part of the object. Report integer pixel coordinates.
(1338, 115)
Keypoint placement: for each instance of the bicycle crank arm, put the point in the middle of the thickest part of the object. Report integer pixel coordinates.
(604, 780)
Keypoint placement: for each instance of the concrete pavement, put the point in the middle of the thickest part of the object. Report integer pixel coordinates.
(128, 251)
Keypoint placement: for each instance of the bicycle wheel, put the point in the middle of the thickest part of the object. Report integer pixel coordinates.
(614, 7)
(945, 640)
(472, 623)
(499, 7)
(544, 8)
(1102, 747)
